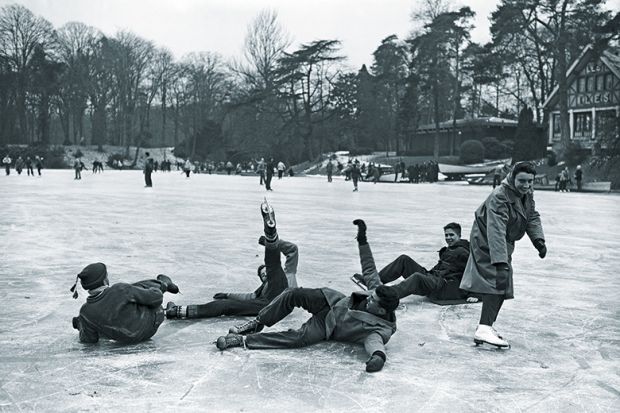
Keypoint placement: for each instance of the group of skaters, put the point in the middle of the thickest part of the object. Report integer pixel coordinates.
(356, 171)
(563, 181)
(467, 271)
(21, 164)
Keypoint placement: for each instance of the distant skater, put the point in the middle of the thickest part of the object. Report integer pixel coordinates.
(508, 213)
(38, 163)
(29, 169)
(329, 168)
(148, 170)
(127, 313)
(7, 164)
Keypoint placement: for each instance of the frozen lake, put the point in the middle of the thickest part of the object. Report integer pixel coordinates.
(563, 324)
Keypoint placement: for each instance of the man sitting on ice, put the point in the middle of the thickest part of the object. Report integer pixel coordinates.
(440, 283)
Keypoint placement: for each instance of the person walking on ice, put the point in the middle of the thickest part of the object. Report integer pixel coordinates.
(365, 317)
(507, 214)
(274, 280)
(127, 313)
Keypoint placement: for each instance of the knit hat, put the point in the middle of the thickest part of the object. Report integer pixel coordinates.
(388, 297)
(92, 276)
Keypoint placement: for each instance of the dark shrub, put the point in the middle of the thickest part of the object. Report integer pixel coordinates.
(472, 151)
(493, 149)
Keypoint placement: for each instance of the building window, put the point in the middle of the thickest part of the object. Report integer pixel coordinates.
(581, 84)
(582, 125)
(606, 125)
(556, 127)
(600, 82)
(609, 81)
(590, 84)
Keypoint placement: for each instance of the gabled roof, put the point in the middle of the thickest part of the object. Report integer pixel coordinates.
(609, 57)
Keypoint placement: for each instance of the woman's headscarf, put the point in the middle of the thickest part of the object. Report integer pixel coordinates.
(524, 166)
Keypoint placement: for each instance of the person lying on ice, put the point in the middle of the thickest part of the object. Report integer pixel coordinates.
(274, 280)
(127, 313)
(440, 282)
(365, 317)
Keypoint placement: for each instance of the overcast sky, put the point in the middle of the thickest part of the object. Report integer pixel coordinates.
(220, 26)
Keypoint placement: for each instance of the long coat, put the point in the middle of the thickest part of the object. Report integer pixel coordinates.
(502, 219)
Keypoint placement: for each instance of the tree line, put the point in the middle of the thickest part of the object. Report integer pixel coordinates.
(74, 84)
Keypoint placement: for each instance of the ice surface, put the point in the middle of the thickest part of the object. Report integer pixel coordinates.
(563, 324)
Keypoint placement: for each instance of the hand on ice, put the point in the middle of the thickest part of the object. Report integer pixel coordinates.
(375, 362)
(220, 296)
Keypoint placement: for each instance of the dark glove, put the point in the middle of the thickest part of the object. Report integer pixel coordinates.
(261, 240)
(539, 244)
(375, 362)
(220, 296)
(76, 323)
(503, 272)
(361, 231)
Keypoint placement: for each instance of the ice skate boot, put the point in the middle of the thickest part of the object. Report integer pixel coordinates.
(269, 220)
(167, 282)
(251, 327)
(359, 280)
(487, 334)
(173, 311)
(230, 340)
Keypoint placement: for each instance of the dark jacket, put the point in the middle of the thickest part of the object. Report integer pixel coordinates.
(345, 323)
(121, 312)
(452, 260)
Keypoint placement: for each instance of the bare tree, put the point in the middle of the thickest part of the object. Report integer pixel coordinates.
(76, 51)
(20, 34)
(265, 41)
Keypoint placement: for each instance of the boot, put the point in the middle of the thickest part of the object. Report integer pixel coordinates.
(230, 340)
(174, 311)
(269, 220)
(487, 334)
(168, 284)
(251, 327)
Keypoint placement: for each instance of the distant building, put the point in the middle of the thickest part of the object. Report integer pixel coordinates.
(593, 98)
(452, 134)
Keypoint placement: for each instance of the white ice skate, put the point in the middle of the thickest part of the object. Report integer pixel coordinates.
(487, 334)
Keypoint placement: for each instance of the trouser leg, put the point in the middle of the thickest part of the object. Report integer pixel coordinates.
(419, 284)
(276, 278)
(310, 299)
(311, 332)
(226, 307)
(491, 304)
(403, 266)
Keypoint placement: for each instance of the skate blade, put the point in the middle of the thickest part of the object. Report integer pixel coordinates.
(359, 284)
(479, 343)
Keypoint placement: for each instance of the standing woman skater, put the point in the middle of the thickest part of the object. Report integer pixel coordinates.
(507, 214)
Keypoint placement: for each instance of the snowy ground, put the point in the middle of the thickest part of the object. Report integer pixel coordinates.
(563, 324)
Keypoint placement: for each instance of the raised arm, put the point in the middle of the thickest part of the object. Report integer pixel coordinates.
(369, 269)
